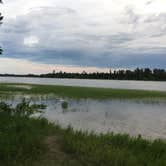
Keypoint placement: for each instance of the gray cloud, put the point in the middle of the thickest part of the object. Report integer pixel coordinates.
(130, 16)
(149, 2)
(133, 17)
(66, 37)
(156, 18)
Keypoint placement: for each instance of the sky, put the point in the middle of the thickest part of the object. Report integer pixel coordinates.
(75, 35)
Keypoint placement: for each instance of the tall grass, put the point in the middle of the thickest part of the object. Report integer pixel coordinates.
(113, 150)
(20, 136)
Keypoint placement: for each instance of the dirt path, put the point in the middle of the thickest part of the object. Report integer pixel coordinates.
(55, 156)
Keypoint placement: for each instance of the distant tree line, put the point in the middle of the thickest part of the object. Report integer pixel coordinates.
(137, 74)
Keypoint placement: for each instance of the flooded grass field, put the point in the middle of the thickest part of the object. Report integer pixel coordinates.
(133, 117)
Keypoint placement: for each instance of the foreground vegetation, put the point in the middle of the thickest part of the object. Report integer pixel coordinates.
(82, 92)
(27, 141)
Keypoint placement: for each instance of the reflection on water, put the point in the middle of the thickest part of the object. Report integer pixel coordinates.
(120, 116)
(147, 119)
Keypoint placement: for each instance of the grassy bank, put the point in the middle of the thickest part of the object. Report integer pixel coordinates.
(25, 141)
(82, 92)
(20, 136)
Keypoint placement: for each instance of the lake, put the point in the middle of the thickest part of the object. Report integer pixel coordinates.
(119, 116)
(140, 85)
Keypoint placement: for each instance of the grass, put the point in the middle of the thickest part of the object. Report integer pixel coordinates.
(20, 135)
(115, 150)
(26, 141)
(83, 92)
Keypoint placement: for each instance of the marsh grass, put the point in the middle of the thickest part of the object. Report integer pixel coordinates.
(83, 92)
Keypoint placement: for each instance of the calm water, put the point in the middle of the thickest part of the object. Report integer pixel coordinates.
(147, 119)
(101, 116)
(146, 85)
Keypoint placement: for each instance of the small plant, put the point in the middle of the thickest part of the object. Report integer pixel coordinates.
(64, 104)
(5, 107)
(22, 109)
(26, 109)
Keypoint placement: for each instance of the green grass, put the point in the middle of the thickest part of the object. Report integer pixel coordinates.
(114, 150)
(83, 92)
(26, 141)
(20, 135)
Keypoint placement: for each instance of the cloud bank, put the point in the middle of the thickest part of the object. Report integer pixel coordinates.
(86, 33)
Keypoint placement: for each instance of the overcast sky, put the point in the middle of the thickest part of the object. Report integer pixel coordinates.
(74, 35)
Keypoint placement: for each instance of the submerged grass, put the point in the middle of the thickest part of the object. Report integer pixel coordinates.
(83, 92)
(25, 141)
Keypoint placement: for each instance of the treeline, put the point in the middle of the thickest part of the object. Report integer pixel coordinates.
(137, 74)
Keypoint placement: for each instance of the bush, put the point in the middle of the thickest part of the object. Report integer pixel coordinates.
(20, 136)
(64, 105)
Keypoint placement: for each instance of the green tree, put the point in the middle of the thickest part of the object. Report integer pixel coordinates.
(1, 18)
